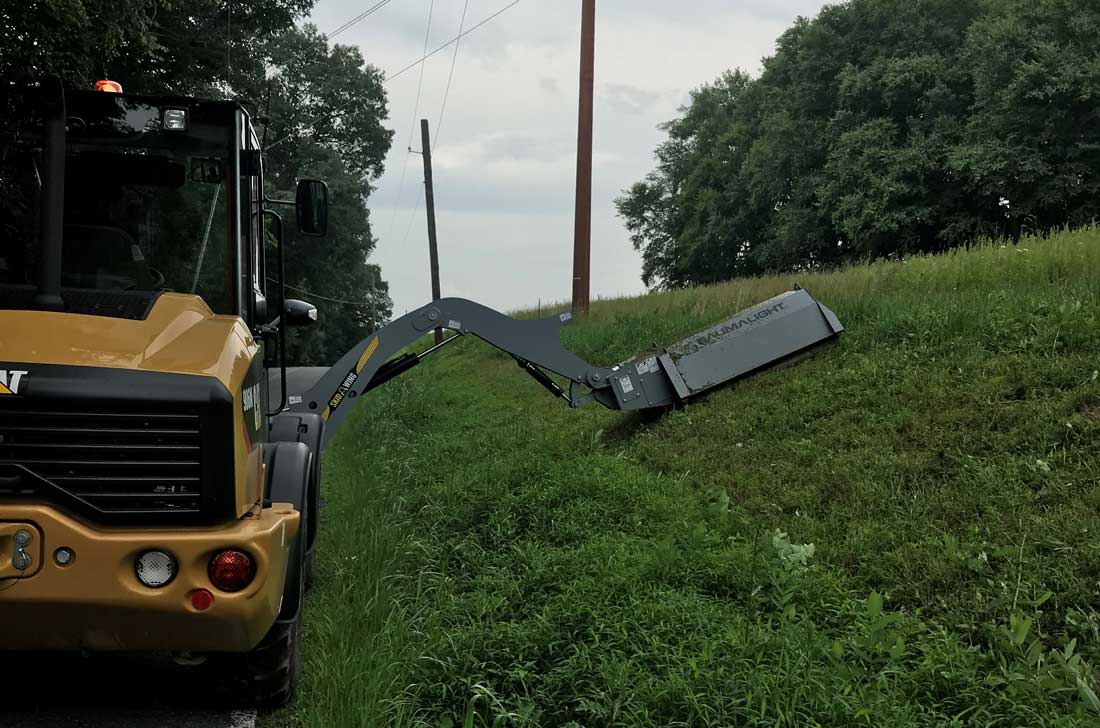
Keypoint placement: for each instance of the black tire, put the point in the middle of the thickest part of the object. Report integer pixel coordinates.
(271, 669)
(266, 677)
(313, 525)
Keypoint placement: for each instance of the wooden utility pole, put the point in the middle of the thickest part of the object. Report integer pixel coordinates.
(429, 204)
(582, 230)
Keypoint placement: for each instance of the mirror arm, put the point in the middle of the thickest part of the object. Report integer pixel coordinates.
(289, 203)
(271, 327)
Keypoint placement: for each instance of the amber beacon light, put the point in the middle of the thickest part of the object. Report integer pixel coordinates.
(111, 87)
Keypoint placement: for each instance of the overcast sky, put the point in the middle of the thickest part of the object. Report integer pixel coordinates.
(505, 157)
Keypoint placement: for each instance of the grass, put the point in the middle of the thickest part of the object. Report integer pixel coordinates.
(900, 531)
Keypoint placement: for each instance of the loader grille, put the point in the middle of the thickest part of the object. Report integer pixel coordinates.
(122, 459)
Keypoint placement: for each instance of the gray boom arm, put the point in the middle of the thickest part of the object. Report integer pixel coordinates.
(754, 339)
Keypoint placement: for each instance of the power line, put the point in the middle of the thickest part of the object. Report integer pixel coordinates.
(412, 130)
(451, 74)
(366, 13)
(404, 70)
(420, 84)
(301, 55)
(412, 219)
(439, 123)
(360, 304)
(452, 41)
(446, 93)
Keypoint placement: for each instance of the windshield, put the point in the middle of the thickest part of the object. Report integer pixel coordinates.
(145, 206)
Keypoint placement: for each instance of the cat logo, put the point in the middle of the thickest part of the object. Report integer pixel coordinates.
(10, 381)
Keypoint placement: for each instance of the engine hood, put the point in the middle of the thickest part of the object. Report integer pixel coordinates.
(180, 335)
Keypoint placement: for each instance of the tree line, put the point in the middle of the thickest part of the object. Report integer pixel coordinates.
(880, 128)
(289, 76)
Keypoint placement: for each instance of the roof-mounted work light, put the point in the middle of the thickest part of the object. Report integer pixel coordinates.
(175, 119)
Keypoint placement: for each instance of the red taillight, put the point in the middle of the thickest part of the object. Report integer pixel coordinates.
(202, 600)
(113, 87)
(231, 570)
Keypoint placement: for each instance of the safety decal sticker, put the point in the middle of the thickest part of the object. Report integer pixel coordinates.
(251, 397)
(348, 381)
(341, 393)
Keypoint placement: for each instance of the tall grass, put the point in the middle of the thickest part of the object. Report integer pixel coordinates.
(901, 531)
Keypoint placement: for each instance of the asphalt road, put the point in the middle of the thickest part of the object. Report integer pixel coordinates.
(44, 690)
(298, 381)
(123, 718)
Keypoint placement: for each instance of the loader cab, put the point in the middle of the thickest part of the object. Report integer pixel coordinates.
(159, 194)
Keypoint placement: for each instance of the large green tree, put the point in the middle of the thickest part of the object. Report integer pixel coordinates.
(326, 109)
(879, 128)
(1030, 156)
(677, 215)
(177, 46)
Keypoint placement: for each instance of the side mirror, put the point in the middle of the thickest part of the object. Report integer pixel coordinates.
(311, 206)
(299, 313)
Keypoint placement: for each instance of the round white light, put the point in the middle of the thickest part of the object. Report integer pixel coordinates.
(155, 568)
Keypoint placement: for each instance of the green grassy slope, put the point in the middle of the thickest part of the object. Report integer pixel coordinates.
(491, 558)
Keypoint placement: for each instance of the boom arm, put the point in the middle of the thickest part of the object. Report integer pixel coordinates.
(754, 339)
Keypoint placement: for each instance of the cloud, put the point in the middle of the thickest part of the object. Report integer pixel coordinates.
(702, 15)
(550, 85)
(550, 146)
(628, 99)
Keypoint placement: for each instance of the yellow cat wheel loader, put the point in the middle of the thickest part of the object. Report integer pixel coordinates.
(159, 467)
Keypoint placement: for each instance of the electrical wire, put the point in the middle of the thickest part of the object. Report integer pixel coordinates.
(301, 55)
(358, 304)
(365, 14)
(439, 122)
(404, 70)
(451, 73)
(412, 129)
(412, 219)
(456, 41)
(457, 38)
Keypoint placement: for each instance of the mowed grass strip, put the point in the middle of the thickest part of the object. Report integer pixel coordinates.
(900, 531)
